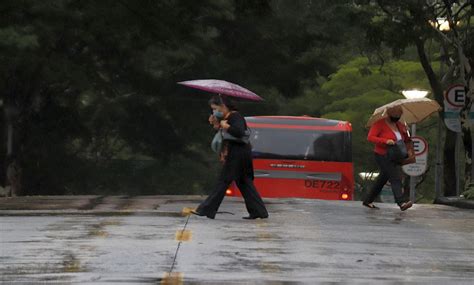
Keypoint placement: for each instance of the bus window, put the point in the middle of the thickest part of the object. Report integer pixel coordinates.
(301, 144)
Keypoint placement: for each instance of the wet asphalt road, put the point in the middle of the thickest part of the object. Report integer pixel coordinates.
(303, 241)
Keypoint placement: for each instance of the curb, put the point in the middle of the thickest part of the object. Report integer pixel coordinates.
(455, 202)
(36, 213)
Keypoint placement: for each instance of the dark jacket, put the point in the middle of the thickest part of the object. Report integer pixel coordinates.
(238, 162)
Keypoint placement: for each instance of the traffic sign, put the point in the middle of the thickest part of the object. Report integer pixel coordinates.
(454, 99)
(455, 96)
(421, 155)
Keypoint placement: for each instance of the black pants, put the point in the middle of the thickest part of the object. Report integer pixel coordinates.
(253, 201)
(238, 167)
(389, 171)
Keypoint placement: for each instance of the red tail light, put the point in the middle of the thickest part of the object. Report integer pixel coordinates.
(229, 192)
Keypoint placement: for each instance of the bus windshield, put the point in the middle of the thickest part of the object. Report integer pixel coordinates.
(315, 145)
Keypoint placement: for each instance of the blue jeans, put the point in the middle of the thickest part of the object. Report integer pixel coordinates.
(389, 171)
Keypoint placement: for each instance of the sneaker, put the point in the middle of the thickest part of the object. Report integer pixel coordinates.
(405, 206)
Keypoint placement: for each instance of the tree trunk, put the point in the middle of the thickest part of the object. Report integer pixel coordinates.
(465, 122)
(435, 83)
(464, 116)
(449, 164)
(449, 170)
(465, 68)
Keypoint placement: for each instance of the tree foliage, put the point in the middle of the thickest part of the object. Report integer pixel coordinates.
(88, 84)
(90, 90)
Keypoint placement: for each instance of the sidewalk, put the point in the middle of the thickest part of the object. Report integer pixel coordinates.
(93, 204)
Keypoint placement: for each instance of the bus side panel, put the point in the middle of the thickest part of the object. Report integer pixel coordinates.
(303, 179)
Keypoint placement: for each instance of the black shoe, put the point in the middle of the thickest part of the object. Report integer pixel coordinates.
(254, 217)
(370, 205)
(194, 212)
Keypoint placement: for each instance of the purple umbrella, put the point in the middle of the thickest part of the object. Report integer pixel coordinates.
(222, 87)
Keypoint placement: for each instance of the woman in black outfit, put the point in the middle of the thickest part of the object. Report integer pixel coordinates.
(237, 164)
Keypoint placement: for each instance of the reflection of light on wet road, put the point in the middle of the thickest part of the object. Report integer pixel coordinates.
(71, 263)
(98, 230)
(265, 236)
(269, 267)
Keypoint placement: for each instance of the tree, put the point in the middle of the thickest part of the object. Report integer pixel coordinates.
(80, 81)
(85, 84)
(399, 24)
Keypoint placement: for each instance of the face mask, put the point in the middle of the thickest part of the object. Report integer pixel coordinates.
(218, 114)
(394, 119)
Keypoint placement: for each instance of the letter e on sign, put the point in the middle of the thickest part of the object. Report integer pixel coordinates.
(420, 145)
(459, 96)
(455, 96)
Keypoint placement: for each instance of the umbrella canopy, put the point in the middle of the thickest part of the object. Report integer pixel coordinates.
(414, 110)
(222, 87)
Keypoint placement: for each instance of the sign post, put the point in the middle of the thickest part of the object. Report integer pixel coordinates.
(419, 166)
(454, 100)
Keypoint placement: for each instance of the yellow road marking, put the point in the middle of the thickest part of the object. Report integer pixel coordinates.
(173, 278)
(265, 236)
(187, 211)
(185, 235)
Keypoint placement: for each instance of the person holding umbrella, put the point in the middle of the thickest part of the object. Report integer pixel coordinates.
(385, 133)
(236, 156)
(389, 135)
(235, 152)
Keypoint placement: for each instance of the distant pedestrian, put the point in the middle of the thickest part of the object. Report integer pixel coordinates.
(385, 133)
(236, 157)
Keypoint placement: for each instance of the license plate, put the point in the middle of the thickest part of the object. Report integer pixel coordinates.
(323, 185)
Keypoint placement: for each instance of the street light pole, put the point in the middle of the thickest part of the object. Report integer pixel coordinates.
(412, 94)
(412, 178)
(442, 25)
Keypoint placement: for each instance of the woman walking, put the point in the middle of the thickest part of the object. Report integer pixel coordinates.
(384, 134)
(236, 156)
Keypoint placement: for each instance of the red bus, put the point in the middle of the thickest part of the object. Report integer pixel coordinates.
(301, 157)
